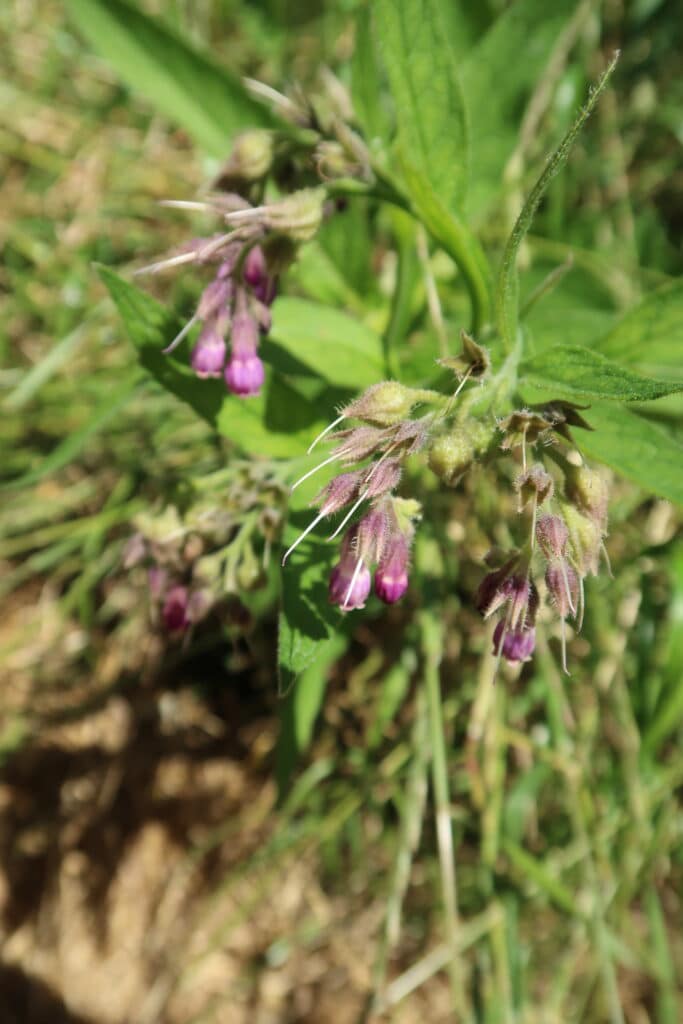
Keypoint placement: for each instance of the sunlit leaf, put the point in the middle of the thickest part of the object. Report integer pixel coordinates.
(185, 85)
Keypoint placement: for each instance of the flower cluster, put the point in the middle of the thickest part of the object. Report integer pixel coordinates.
(382, 537)
(568, 540)
(261, 240)
(567, 506)
(201, 556)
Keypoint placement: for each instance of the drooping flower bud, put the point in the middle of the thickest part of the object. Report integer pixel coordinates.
(208, 355)
(552, 536)
(382, 477)
(214, 299)
(244, 374)
(341, 489)
(391, 575)
(175, 610)
(374, 530)
(256, 275)
(349, 591)
(562, 582)
(514, 644)
(534, 484)
(587, 489)
(350, 578)
(255, 266)
(359, 443)
(585, 538)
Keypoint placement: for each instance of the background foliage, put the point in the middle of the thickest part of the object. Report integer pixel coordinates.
(153, 868)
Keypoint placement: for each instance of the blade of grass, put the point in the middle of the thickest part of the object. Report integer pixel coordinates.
(432, 646)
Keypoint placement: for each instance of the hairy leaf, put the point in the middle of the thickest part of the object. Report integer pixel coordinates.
(497, 76)
(185, 85)
(430, 110)
(636, 447)
(308, 621)
(336, 346)
(650, 336)
(366, 81)
(578, 372)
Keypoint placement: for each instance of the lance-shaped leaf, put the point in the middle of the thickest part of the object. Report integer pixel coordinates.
(634, 446)
(430, 111)
(498, 74)
(184, 84)
(507, 290)
(650, 336)
(578, 372)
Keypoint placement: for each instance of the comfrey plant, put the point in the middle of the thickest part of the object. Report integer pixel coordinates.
(566, 499)
(403, 167)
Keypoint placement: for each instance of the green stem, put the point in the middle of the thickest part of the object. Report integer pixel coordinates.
(507, 291)
(411, 826)
(432, 641)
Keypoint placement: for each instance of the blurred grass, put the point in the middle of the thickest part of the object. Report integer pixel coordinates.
(564, 794)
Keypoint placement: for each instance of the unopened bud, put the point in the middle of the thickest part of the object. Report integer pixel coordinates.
(552, 536)
(214, 298)
(208, 355)
(514, 644)
(391, 576)
(299, 215)
(451, 455)
(374, 532)
(342, 489)
(175, 610)
(382, 478)
(244, 335)
(384, 404)
(587, 488)
(250, 160)
(563, 586)
(585, 537)
(534, 484)
(359, 443)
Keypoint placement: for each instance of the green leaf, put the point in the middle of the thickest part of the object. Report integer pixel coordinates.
(300, 708)
(454, 236)
(185, 85)
(280, 422)
(580, 373)
(497, 77)
(339, 348)
(366, 89)
(507, 290)
(640, 450)
(424, 83)
(650, 336)
(308, 621)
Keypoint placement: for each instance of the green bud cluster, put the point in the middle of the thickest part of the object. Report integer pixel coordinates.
(451, 454)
